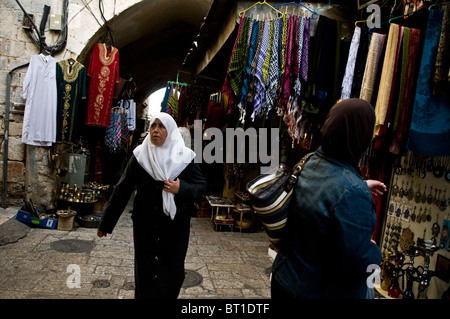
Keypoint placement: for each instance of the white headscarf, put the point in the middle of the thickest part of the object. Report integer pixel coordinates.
(166, 161)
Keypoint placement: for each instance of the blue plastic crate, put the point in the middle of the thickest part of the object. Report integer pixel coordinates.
(46, 222)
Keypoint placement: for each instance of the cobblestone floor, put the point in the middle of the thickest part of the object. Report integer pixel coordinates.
(232, 264)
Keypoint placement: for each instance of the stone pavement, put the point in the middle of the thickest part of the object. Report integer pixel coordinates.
(40, 263)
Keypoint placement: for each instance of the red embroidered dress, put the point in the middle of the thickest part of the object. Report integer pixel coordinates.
(104, 73)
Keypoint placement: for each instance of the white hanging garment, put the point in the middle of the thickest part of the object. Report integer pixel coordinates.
(39, 90)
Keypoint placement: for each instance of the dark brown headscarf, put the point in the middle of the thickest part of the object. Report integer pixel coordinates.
(348, 130)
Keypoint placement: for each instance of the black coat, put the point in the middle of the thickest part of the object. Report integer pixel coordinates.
(160, 243)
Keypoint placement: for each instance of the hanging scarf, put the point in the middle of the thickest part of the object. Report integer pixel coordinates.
(387, 77)
(273, 76)
(266, 65)
(301, 35)
(226, 88)
(113, 133)
(173, 104)
(406, 98)
(441, 80)
(305, 50)
(295, 46)
(166, 161)
(370, 71)
(259, 84)
(402, 75)
(430, 132)
(350, 68)
(117, 134)
(254, 66)
(282, 48)
(166, 98)
(361, 59)
(285, 83)
(327, 50)
(238, 59)
(247, 74)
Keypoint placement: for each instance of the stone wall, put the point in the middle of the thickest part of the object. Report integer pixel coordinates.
(29, 172)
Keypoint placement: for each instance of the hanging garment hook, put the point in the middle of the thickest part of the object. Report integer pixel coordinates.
(320, 8)
(314, 15)
(356, 22)
(260, 3)
(404, 15)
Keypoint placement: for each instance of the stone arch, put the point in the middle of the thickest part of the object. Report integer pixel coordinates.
(153, 37)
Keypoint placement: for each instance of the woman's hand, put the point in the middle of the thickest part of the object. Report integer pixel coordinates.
(376, 187)
(171, 186)
(101, 233)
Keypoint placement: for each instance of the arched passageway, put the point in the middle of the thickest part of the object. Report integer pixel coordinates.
(153, 38)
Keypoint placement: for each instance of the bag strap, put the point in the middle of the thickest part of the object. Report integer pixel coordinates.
(297, 169)
(299, 166)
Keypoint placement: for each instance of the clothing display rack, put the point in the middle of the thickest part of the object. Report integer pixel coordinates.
(329, 4)
(242, 13)
(176, 82)
(314, 15)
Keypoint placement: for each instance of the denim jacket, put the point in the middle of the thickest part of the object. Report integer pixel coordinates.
(328, 248)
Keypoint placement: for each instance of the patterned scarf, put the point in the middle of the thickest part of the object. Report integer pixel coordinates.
(226, 88)
(265, 69)
(246, 75)
(285, 82)
(430, 132)
(301, 33)
(252, 83)
(238, 59)
(305, 50)
(273, 76)
(259, 84)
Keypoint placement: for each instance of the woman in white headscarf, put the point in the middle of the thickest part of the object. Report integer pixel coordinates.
(167, 182)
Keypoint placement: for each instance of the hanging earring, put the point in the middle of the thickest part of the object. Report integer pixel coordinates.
(413, 215)
(435, 228)
(429, 215)
(419, 217)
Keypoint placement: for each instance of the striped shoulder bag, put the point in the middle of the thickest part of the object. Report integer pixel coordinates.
(270, 196)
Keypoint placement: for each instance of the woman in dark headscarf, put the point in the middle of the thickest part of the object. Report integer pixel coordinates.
(328, 248)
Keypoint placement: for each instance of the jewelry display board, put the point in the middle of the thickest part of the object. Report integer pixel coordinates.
(415, 231)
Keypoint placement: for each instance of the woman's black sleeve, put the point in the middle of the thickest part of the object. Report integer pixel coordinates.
(119, 198)
(192, 182)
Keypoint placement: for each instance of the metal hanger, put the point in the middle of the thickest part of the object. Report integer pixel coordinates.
(177, 83)
(328, 4)
(261, 3)
(314, 15)
(356, 22)
(404, 15)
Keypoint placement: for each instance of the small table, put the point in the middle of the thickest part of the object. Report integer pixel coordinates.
(242, 209)
(217, 203)
(243, 206)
